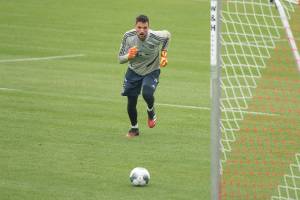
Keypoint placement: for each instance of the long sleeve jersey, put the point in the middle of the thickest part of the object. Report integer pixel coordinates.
(147, 59)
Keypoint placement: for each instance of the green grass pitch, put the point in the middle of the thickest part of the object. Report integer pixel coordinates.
(63, 122)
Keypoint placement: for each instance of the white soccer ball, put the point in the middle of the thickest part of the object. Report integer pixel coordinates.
(139, 176)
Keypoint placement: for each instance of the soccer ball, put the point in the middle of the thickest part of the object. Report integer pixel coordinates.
(139, 176)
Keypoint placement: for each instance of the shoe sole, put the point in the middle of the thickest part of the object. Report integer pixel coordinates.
(131, 136)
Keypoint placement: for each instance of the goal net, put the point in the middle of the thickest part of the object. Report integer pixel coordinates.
(260, 100)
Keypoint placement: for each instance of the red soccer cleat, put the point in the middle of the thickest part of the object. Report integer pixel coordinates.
(151, 118)
(151, 122)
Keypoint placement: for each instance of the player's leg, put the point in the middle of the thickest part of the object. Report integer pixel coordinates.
(149, 85)
(131, 89)
(132, 113)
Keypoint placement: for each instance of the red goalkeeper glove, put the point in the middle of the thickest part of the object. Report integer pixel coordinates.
(163, 59)
(132, 53)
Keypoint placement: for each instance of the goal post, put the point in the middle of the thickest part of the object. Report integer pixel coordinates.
(215, 60)
(255, 99)
(289, 33)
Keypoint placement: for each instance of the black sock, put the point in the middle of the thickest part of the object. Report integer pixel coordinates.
(131, 109)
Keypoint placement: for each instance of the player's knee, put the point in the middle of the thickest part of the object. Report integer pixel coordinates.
(148, 91)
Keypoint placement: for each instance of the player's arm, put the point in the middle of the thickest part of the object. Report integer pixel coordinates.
(123, 58)
(165, 38)
(126, 53)
(166, 35)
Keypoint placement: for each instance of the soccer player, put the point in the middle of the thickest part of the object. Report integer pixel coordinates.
(145, 50)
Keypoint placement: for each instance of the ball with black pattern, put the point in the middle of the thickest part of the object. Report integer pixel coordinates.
(139, 176)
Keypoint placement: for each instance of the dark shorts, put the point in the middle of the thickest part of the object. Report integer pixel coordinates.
(133, 82)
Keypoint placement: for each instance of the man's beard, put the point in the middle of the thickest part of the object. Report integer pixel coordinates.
(142, 36)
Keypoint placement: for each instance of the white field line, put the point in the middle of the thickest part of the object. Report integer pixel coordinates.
(9, 89)
(158, 104)
(207, 108)
(254, 113)
(52, 48)
(182, 106)
(41, 58)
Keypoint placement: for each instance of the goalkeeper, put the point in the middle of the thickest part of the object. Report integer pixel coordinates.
(145, 51)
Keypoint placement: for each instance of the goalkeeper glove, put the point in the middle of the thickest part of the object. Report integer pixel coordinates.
(163, 59)
(132, 53)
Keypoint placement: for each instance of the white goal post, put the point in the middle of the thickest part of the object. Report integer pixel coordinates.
(289, 33)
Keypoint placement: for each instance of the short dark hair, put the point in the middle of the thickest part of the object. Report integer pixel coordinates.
(142, 18)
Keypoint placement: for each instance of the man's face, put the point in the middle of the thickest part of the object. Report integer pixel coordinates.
(142, 30)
